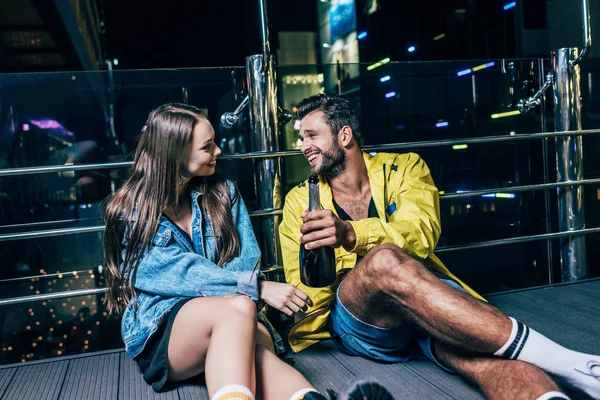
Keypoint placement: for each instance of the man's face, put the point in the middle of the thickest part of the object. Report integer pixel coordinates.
(320, 146)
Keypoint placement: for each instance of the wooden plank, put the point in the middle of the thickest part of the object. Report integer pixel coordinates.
(132, 385)
(6, 376)
(93, 378)
(407, 380)
(566, 326)
(403, 380)
(193, 389)
(320, 368)
(453, 385)
(37, 382)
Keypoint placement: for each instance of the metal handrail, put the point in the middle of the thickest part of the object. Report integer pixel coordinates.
(51, 296)
(490, 243)
(266, 212)
(50, 233)
(587, 31)
(485, 139)
(61, 168)
(287, 153)
(518, 239)
(279, 211)
(46, 276)
(521, 188)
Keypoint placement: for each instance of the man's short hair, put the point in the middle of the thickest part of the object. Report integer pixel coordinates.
(339, 111)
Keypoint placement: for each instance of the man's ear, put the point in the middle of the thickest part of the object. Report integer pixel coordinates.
(345, 136)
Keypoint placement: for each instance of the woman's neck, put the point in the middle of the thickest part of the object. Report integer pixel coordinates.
(182, 187)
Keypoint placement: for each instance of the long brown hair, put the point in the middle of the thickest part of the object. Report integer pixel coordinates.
(152, 188)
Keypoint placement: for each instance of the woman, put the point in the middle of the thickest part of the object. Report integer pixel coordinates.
(181, 261)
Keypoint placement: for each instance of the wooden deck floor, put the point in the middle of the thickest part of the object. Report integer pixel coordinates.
(568, 314)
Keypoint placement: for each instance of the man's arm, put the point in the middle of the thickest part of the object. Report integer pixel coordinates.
(415, 223)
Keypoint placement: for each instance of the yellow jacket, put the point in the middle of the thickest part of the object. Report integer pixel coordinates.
(407, 203)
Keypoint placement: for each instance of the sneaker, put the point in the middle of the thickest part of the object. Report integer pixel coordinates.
(314, 396)
(588, 379)
(364, 389)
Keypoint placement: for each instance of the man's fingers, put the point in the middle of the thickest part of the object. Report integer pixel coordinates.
(317, 225)
(316, 215)
(317, 235)
(315, 244)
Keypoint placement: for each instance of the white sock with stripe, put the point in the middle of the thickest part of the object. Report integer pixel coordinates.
(553, 396)
(580, 370)
(233, 392)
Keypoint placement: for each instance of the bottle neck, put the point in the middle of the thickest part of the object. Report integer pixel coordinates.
(314, 201)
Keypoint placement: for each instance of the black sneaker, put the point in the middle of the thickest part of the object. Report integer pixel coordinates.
(314, 396)
(364, 389)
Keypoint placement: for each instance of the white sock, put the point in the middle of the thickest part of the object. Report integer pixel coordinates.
(553, 396)
(299, 395)
(580, 370)
(233, 392)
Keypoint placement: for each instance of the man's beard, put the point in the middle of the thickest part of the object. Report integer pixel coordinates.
(333, 163)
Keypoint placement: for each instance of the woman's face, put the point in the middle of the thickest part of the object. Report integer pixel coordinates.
(202, 155)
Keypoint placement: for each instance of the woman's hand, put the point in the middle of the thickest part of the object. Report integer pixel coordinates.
(285, 297)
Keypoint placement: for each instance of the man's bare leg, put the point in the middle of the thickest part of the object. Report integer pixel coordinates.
(499, 379)
(388, 287)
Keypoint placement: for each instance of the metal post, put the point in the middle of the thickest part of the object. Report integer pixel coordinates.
(264, 33)
(264, 127)
(569, 161)
(546, 167)
(587, 30)
(262, 92)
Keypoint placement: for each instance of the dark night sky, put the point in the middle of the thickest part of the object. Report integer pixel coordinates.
(197, 33)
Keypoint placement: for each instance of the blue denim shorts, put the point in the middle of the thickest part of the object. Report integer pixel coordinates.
(392, 345)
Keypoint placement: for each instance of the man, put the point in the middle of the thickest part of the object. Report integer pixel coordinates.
(381, 214)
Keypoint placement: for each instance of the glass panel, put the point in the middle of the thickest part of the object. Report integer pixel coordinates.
(45, 328)
(90, 117)
(53, 119)
(60, 118)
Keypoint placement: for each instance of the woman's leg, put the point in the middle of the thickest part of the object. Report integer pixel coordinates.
(264, 338)
(276, 380)
(216, 335)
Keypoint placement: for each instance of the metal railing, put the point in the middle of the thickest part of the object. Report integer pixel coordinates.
(278, 211)
(288, 153)
(272, 269)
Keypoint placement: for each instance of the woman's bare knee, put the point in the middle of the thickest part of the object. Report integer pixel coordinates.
(243, 304)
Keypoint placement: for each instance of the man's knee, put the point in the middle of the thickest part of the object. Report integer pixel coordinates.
(388, 259)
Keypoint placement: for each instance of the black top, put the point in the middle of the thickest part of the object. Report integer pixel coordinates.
(344, 215)
(184, 233)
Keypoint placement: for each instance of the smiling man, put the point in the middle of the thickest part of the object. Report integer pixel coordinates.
(394, 300)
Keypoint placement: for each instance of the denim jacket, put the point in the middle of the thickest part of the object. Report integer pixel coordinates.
(173, 270)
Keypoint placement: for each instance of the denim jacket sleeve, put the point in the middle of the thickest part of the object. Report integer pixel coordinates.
(169, 270)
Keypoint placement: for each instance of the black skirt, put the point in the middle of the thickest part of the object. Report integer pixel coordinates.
(154, 359)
